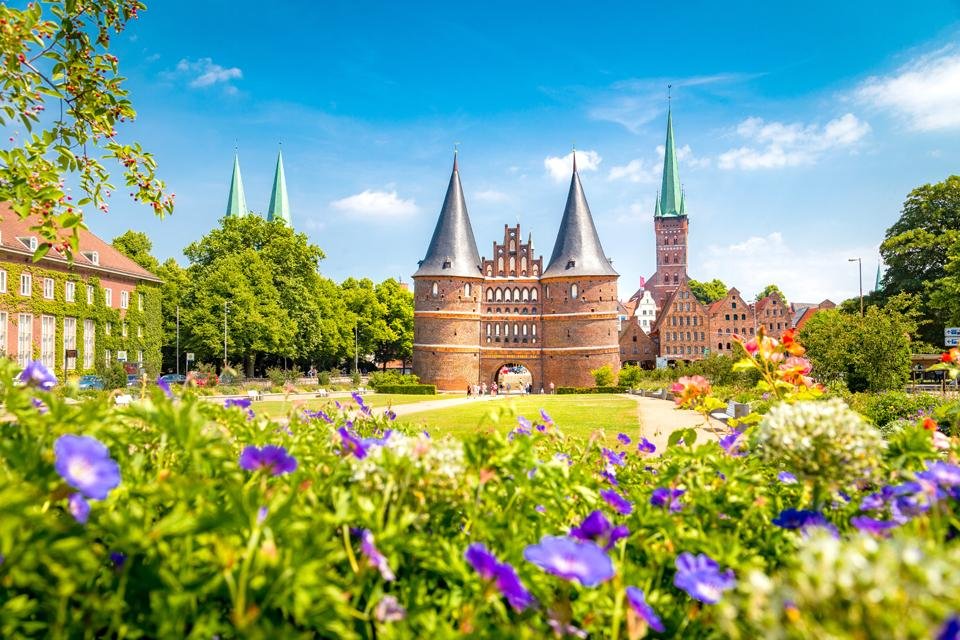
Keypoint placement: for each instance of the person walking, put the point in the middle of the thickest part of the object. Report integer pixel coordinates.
(551, 388)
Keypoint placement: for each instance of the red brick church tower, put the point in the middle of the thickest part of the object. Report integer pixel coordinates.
(473, 316)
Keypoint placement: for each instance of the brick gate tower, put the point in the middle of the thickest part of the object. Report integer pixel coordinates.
(446, 294)
(580, 299)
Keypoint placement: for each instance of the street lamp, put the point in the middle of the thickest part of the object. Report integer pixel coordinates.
(859, 262)
(225, 303)
(356, 352)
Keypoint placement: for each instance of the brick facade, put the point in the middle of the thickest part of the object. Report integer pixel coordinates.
(730, 316)
(636, 347)
(682, 326)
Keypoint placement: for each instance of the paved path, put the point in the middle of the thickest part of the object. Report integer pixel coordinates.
(659, 418)
(427, 405)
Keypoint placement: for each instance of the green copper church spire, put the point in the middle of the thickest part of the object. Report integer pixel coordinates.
(279, 204)
(236, 202)
(671, 197)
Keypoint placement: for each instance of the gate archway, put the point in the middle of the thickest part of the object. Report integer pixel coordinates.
(513, 378)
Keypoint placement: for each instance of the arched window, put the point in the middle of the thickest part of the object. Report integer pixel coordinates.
(466, 290)
(435, 289)
(497, 330)
(513, 245)
(516, 294)
(536, 271)
(728, 346)
(489, 294)
(524, 331)
(574, 291)
(506, 329)
(506, 295)
(488, 329)
(719, 346)
(676, 279)
(525, 295)
(516, 329)
(533, 295)
(513, 264)
(546, 291)
(523, 264)
(499, 295)
(499, 265)
(489, 271)
(533, 330)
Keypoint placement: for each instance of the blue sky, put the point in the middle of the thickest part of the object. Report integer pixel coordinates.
(801, 127)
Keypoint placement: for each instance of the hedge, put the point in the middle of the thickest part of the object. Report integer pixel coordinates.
(571, 390)
(409, 389)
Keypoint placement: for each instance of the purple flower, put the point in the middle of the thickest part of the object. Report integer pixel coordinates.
(79, 508)
(374, 558)
(542, 428)
(540, 508)
(118, 558)
(351, 443)
(380, 442)
(646, 446)
(313, 415)
(609, 473)
(872, 525)
(86, 465)
(803, 519)
(38, 405)
(426, 434)
(786, 477)
(270, 458)
(240, 403)
(639, 604)
(524, 423)
(729, 443)
(624, 438)
(942, 474)
(37, 375)
(617, 502)
(701, 578)
(571, 559)
(508, 582)
(951, 629)
(563, 629)
(596, 528)
(563, 456)
(482, 561)
(546, 417)
(389, 610)
(614, 458)
(359, 400)
(390, 414)
(165, 387)
(262, 515)
(664, 496)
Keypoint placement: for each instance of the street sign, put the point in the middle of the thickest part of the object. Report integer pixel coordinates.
(951, 332)
(189, 357)
(121, 356)
(661, 362)
(952, 342)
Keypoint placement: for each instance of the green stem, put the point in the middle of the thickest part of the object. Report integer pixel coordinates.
(349, 549)
(240, 607)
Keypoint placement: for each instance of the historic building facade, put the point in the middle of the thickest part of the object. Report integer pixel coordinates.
(473, 315)
(75, 317)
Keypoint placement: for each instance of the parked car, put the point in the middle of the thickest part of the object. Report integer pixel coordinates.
(90, 382)
(174, 378)
(206, 379)
(133, 380)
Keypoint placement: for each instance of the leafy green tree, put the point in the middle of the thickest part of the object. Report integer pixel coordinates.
(398, 316)
(367, 315)
(137, 246)
(56, 59)
(769, 289)
(918, 248)
(868, 353)
(176, 281)
(708, 292)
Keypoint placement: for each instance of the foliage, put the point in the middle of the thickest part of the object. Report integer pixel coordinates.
(603, 376)
(409, 389)
(868, 353)
(380, 378)
(279, 376)
(137, 246)
(382, 316)
(56, 54)
(356, 378)
(771, 289)
(114, 376)
(708, 292)
(885, 407)
(597, 389)
(917, 250)
(629, 376)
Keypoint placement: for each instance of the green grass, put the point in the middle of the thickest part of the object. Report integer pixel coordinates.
(576, 415)
(375, 400)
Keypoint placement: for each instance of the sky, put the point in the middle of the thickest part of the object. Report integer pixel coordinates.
(801, 127)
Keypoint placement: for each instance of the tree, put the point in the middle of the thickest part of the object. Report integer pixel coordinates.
(603, 376)
(917, 249)
(398, 316)
(866, 353)
(137, 246)
(367, 315)
(708, 292)
(175, 284)
(769, 289)
(56, 59)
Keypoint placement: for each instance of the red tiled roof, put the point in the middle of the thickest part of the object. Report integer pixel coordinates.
(109, 259)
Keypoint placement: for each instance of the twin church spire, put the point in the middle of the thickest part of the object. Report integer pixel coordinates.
(670, 200)
(279, 208)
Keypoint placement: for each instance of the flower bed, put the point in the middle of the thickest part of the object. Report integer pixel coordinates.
(179, 518)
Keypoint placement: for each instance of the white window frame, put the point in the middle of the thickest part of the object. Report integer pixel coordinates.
(123, 329)
(90, 289)
(124, 299)
(89, 342)
(70, 291)
(4, 324)
(140, 302)
(108, 328)
(48, 341)
(107, 357)
(139, 357)
(69, 343)
(48, 288)
(24, 339)
(139, 330)
(26, 284)
(3, 280)
(108, 296)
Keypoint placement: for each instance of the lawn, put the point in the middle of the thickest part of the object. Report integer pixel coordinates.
(576, 415)
(375, 400)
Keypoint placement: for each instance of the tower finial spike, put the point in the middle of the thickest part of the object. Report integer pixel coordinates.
(574, 153)
(456, 155)
(669, 94)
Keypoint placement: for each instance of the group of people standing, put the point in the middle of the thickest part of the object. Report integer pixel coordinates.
(508, 388)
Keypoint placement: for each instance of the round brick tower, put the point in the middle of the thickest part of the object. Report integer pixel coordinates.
(579, 299)
(447, 293)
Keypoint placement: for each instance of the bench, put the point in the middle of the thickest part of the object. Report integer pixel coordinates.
(123, 400)
(734, 410)
(254, 395)
(322, 393)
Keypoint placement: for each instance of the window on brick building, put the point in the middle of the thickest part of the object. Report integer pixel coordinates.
(574, 291)
(435, 289)
(533, 330)
(525, 295)
(108, 297)
(70, 291)
(124, 299)
(489, 295)
(26, 284)
(726, 317)
(466, 290)
(3, 281)
(533, 295)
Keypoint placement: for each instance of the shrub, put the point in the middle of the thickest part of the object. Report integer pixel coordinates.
(114, 376)
(885, 407)
(603, 376)
(279, 376)
(356, 378)
(323, 378)
(381, 378)
(409, 389)
(630, 376)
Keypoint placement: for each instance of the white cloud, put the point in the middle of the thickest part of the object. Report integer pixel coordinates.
(491, 195)
(925, 92)
(560, 168)
(804, 273)
(635, 212)
(376, 204)
(637, 170)
(204, 72)
(774, 145)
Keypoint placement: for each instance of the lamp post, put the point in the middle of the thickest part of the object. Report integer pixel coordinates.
(859, 262)
(356, 351)
(178, 339)
(225, 303)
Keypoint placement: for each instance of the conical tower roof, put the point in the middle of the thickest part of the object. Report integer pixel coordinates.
(671, 196)
(236, 202)
(279, 204)
(453, 248)
(577, 251)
